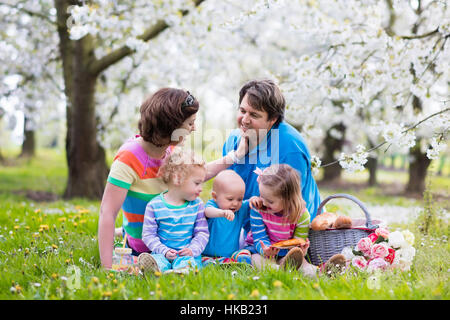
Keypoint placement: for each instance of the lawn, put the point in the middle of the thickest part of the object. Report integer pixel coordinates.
(41, 242)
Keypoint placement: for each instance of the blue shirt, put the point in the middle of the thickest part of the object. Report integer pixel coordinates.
(224, 234)
(175, 227)
(283, 145)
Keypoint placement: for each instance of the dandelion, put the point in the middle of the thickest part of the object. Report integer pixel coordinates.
(27, 228)
(230, 296)
(158, 274)
(94, 280)
(63, 219)
(75, 224)
(316, 285)
(277, 283)
(54, 246)
(55, 276)
(107, 294)
(37, 211)
(255, 293)
(16, 227)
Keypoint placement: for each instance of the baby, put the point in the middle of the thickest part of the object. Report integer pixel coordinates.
(227, 214)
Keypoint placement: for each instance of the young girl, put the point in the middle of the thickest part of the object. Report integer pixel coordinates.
(175, 228)
(280, 214)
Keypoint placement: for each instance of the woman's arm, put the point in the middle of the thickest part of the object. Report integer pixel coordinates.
(113, 198)
(214, 167)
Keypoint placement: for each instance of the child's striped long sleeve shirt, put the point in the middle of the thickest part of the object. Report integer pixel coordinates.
(175, 227)
(271, 228)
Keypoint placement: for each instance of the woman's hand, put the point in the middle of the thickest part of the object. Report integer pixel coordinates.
(242, 148)
(269, 251)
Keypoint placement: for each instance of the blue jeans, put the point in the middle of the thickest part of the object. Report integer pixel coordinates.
(179, 262)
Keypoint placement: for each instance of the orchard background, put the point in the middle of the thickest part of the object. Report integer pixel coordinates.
(366, 83)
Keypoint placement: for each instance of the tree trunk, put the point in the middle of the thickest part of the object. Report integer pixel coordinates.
(87, 170)
(29, 142)
(372, 165)
(417, 170)
(332, 145)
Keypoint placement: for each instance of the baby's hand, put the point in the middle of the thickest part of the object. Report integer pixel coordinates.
(171, 254)
(185, 252)
(255, 203)
(228, 214)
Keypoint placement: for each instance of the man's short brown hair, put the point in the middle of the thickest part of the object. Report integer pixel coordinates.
(264, 95)
(164, 112)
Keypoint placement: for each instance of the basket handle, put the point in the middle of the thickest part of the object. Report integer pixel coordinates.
(354, 199)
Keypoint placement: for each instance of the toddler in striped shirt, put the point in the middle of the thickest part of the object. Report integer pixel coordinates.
(279, 213)
(175, 229)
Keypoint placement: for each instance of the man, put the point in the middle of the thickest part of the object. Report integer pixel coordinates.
(270, 140)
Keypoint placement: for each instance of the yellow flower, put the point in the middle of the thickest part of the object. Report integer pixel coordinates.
(63, 219)
(27, 227)
(277, 283)
(315, 285)
(107, 294)
(115, 281)
(44, 226)
(54, 276)
(54, 246)
(83, 211)
(230, 296)
(158, 274)
(75, 224)
(67, 261)
(16, 227)
(94, 280)
(254, 294)
(37, 210)
(83, 221)
(27, 251)
(18, 288)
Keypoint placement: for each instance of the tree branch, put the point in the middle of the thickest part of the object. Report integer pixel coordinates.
(103, 63)
(403, 132)
(29, 12)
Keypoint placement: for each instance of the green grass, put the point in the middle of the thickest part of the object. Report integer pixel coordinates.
(39, 242)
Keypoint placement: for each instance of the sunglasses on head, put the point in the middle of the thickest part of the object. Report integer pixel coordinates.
(189, 100)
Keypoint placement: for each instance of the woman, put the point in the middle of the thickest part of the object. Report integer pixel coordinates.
(167, 117)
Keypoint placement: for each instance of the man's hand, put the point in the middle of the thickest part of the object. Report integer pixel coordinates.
(228, 214)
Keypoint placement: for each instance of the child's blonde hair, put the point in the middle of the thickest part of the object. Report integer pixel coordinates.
(179, 163)
(285, 183)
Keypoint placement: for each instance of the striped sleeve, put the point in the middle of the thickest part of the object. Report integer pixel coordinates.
(302, 227)
(149, 232)
(201, 233)
(259, 231)
(122, 175)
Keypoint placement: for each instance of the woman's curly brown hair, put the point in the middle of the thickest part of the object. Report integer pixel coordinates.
(164, 112)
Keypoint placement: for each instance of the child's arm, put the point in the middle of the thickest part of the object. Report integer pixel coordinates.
(211, 212)
(149, 232)
(302, 228)
(201, 233)
(259, 232)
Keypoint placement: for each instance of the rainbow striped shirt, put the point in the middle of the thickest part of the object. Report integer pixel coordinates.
(135, 171)
(175, 227)
(271, 228)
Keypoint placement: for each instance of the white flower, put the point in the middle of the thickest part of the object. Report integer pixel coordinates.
(315, 164)
(408, 236)
(347, 252)
(397, 240)
(436, 147)
(407, 254)
(355, 161)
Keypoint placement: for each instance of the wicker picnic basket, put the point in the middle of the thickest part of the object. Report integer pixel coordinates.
(326, 243)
